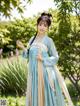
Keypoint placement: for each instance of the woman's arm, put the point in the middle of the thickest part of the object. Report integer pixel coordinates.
(53, 58)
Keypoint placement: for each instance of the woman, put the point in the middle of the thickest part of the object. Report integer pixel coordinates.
(45, 85)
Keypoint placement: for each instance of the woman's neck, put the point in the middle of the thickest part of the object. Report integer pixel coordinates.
(41, 34)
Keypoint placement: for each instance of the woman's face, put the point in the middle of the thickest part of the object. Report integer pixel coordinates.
(42, 27)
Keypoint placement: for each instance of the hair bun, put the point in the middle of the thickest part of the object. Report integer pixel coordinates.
(46, 14)
(43, 14)
(50, 15)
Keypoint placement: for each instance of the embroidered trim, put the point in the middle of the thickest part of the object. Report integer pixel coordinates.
(41, 46)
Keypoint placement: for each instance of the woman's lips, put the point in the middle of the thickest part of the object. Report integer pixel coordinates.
(41, 30)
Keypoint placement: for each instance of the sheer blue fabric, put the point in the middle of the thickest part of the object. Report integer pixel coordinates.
(52, 92)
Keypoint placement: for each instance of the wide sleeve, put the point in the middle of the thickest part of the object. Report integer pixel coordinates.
(25, 52)
(53, 54)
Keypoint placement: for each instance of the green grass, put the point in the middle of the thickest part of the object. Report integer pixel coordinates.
(13, 76)
(73, 93)
(14, 101)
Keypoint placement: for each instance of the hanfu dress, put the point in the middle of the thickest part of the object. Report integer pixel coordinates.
(45, 85)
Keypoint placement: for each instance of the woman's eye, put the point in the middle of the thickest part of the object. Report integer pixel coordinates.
(45, 25)
(40, 24)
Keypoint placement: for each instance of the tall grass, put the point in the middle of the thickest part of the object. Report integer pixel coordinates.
(13, 76)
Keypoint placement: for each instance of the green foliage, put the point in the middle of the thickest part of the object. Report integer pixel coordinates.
(64, 19)
(4, 38)
(70, 56)
(22, 30)
(14, 101)
(68, 40)
(18, 29)
(13, 76)
(73, 93)
(6, 6)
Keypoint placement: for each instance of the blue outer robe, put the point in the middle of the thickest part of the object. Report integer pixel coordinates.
(43, 84)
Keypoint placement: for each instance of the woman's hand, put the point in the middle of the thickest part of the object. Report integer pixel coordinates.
(39, 57)
(20, 44)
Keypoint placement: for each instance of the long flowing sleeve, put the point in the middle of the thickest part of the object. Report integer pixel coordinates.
(53, 54)
(25, 52)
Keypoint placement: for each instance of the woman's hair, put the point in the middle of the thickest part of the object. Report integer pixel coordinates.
(45, 17)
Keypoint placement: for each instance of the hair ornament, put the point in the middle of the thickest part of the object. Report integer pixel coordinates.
(46, 16)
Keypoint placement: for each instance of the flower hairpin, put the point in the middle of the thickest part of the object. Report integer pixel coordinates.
(46, 17)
